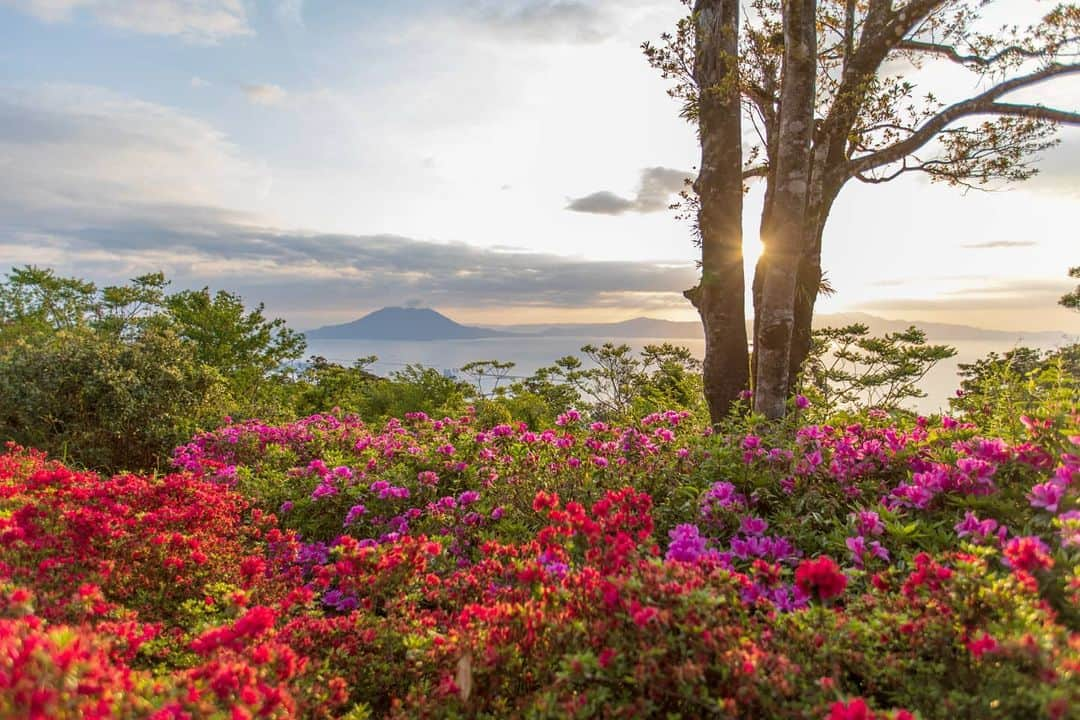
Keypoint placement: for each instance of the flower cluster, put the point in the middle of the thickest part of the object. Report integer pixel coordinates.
(436, 568)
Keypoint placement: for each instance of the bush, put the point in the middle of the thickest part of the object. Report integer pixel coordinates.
(104, 402)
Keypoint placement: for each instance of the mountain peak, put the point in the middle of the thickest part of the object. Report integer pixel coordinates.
(401, 323)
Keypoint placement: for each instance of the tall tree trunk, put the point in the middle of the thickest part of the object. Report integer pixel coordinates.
(825, 186)
(784, 244)
(807, 285)
(720, 296)
(758, 283)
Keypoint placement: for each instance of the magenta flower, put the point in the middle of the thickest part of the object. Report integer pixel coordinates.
(867, 522)
(1046, 495)
(323, 490)
(687, 544)
(754, 525)
(354, 514)
(977, 529)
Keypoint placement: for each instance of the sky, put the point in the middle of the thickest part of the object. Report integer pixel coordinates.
(504, 161)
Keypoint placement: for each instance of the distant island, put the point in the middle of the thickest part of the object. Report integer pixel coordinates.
(424, 324)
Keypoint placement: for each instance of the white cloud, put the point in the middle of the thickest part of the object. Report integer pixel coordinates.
(200, 21)
(81, 154)
(265, 93)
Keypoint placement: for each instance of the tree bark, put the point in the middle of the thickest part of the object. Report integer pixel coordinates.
(720, 296)
(784, 243)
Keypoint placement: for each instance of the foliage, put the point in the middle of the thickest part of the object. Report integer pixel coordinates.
(848, 368)
(114, 377)
(999, 390)
(36, 300)
(324, 385)
(107, 403)
(1072, 299)
(414, 388)
(245, 347)
(619, 386)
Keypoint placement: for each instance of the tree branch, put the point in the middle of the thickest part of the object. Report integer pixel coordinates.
(983, 104)
(755, 171)
(953, 54)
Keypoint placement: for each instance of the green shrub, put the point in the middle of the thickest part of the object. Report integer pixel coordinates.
(104, 402)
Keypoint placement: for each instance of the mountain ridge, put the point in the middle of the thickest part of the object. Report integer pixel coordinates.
(425, 324)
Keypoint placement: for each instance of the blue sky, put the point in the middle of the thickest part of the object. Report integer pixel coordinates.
(330, 157)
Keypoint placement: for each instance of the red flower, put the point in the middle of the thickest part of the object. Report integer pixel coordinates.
(1028, 554)
(822, 576)
(855, 709)
(983, 645)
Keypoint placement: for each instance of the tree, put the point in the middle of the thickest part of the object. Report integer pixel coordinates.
(242, 344)
(1072, 299)
(848, 368)
(493, 370)
(702, 58)
(868, 122)
(34, 299)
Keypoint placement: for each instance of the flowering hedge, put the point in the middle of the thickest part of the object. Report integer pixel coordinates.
(433, 568)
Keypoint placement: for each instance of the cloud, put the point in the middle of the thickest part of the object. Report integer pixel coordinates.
(81, 155)
(198, 82)
(1019, 294)
(657, 186)
(103, 186)
(327, 276)
(601, 203)
(264, 93)
(548, 21)
(990, 244)
(198, 21)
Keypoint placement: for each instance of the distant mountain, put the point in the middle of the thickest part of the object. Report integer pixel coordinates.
(398, 323)
(671, 330)
(945, 332)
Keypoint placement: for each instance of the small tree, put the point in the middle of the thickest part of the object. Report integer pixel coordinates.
(997, 391)
(493, 370)
(848, 368)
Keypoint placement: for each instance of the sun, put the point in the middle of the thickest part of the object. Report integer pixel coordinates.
(751, 249)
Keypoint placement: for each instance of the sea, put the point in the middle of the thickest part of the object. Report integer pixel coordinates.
(531, 353)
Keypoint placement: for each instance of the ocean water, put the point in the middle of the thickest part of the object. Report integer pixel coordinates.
(529, 354)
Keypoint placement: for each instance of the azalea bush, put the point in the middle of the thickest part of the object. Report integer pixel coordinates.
(887, 566)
